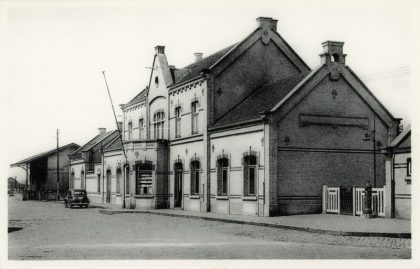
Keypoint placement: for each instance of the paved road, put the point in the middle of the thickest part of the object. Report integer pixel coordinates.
(51, 231)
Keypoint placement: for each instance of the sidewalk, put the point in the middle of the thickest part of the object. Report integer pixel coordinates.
(316, 223)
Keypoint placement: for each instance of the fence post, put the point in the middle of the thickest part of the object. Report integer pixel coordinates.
(324, 199)
(354, 200)
(339, 199)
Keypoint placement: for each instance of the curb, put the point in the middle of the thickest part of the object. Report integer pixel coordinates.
(271, 225)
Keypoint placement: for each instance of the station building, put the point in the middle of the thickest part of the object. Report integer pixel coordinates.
(251, 129)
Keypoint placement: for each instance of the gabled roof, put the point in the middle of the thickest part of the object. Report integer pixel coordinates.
(309, 82)
(42, 155)
(97, 139)
(401, 137)
(261, 100)
(191, 71)
(138, 98)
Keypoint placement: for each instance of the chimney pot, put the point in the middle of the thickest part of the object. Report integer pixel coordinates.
(198, 56)
(102, 130)
(160, 49)
(267, 22)
(333, 52)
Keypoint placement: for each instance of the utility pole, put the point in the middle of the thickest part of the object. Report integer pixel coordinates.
(122, 142)
(58, 166)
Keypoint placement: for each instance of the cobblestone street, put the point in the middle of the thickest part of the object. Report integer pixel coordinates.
(50, 231)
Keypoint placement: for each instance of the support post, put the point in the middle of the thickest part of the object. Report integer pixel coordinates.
(339, 199)
(324, 199)
(354, 200)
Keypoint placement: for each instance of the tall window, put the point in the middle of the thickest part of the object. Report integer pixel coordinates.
(72, 180)
(195, 177)
(194, 118)
(408, 166)
(82, 179)
(141, 128)
(144, 179)
(178, 122)
(118, 183)
(130, 130)
(250, 175)
(99, 183)
(127, 179)
(222, 176)
(159, 121)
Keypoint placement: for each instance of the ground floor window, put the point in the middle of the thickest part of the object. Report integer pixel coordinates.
(250, 175)
(127, 180)
(118, 183)
(222, 176)
(99, 183)
(144, 179)
(82, 179)
(195, 177)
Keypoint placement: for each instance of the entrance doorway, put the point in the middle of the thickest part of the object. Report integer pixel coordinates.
(108, 186)
(178, 185)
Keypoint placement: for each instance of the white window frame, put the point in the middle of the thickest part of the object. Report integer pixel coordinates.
(194, 117)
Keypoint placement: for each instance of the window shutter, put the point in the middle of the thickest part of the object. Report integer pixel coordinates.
(246, 179)
(219, 179)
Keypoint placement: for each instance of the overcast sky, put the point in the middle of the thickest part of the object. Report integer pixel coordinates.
(55, 52)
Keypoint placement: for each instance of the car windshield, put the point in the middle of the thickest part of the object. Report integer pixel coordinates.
(79, 192)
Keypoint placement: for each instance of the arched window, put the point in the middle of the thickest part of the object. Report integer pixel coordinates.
(118, 183)
(82, 179)
(222, 176)
(250, 175)
(98, 185)
(141, 128)
(178, 121)
(71, 180)
(130, 130)
(195, 177)
(194, 117)
(159, 121)
(127, 179)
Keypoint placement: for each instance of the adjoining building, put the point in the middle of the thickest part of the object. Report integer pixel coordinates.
(398, 175)
(97, 167)
(41, 173)
(251, 129)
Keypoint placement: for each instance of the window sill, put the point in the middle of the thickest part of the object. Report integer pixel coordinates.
(249, 198)
(194, 196)
(408, 179)
(118, 194)
(144, 196)
(222, 197)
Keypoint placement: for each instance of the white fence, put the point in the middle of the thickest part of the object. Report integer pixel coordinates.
(332, 201)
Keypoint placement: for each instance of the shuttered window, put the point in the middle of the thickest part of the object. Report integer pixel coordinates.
(195, 177)
(250, 175)
(222, 176)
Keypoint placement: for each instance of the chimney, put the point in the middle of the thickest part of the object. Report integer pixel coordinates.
(102, 130)
(267, 22)
(120, 126)
(198, 56)
(333, 57)
(160, 49)
(333, 52)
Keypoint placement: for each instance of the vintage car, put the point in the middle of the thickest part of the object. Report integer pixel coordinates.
(76, 198)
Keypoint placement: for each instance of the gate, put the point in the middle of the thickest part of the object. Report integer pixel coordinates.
(346, 196)
(349, 201)
(333, 200)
